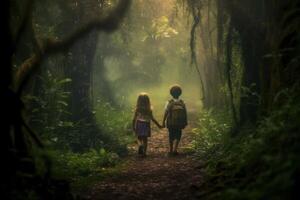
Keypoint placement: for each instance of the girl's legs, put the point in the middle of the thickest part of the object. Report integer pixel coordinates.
(140, 143)
(145, 143)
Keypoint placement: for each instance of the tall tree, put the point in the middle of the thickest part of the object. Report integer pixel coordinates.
(17, 159)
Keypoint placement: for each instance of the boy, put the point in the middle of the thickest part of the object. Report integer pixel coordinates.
(176, 118)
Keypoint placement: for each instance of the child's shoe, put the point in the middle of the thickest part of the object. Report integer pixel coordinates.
(141, 150)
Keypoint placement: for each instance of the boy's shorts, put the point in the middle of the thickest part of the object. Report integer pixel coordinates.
(174, 134)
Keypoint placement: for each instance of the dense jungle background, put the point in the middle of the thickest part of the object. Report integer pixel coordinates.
(72, 71)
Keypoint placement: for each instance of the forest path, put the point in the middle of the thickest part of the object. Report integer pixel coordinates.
(156, 176)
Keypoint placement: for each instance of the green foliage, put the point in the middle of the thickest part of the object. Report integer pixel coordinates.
(83, 169)
(149, 51)
(76, 165)
(49, 116)
(115, 124)
(48, 109)
(161, 28)
(212, 129)
(261, 163)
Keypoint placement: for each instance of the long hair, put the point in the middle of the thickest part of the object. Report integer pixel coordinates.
(143, 104)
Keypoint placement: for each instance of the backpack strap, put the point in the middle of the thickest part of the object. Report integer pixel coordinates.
(181, 101)
(172, 102)
(168, 106)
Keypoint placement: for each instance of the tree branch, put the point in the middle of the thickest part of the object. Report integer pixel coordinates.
(24, 23)
(51, 46)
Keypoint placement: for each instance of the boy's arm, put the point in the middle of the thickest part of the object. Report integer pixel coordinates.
(166, 114)
(165, 118)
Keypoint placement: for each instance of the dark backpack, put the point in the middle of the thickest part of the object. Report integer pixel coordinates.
(177, 117)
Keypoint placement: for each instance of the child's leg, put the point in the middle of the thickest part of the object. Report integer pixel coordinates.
(177, 139)
(176, 145)
(171, 146)
(171, 139)
(140, 141)
(140, 145)
(145, 143)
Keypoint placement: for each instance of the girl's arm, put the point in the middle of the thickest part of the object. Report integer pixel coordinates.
(134, 121)
(155, 122)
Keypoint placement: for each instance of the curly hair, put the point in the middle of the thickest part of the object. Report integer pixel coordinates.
(175, 91)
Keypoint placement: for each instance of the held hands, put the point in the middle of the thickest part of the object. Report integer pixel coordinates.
(161, 126)
(157, 124)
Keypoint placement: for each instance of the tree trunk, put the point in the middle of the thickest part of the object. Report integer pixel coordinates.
(252, 36)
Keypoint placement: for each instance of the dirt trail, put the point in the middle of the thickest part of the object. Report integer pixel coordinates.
(155, 177)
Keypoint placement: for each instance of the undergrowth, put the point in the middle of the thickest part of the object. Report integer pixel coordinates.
(262, 162)
(84, 169)
(115, 123)
(80, 151)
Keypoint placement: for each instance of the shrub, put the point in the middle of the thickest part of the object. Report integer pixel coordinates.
(262, 162)
(74, 165)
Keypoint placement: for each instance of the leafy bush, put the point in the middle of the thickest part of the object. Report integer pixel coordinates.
(48, 115)
(80, 150)
(262, 162)
(212, 129)
(75, 165)
(115, 124)
(47, 111)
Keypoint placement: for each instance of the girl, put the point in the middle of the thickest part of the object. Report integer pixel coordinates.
(141, 122)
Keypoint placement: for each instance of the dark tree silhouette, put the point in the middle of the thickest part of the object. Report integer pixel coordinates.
(18, 173)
